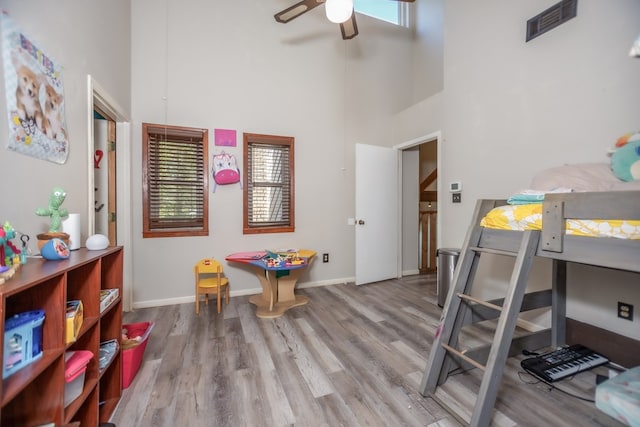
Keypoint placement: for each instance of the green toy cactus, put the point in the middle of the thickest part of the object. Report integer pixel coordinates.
(54, 211)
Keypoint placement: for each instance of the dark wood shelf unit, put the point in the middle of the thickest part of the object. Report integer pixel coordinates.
(34, 395)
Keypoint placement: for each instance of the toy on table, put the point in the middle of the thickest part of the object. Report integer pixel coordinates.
(9, 253)
(6, 273)
(54, 249)
(54, 211)
(273, 260)
(23, 252)
(625, 160)
(283, 259)
(294, 259)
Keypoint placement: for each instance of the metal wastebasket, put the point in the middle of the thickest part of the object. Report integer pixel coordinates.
(447, 260)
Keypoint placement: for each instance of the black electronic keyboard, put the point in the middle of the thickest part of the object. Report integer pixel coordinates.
(562, 363)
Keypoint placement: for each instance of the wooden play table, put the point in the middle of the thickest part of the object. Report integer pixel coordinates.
(278, 279)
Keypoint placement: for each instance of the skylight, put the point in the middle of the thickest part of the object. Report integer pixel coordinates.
(395, 12)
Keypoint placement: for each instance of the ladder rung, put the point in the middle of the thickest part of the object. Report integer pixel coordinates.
(462, 356)
(493, 251)
(479, 301)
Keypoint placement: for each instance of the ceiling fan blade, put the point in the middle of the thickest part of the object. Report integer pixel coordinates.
(349, 28)
(296, 10)
(406, 1)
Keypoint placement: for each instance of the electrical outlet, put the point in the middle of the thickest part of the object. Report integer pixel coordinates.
(325, 257)
(456, 197)
(625, 311)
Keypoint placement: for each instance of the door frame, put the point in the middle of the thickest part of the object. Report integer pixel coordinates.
(98, 98)
(434, 136)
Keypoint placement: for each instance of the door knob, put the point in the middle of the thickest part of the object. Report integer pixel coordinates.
(361, 221)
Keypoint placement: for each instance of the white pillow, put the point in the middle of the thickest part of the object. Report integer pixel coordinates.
(578, 177)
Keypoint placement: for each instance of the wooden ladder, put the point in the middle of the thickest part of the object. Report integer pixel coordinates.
(461, 309)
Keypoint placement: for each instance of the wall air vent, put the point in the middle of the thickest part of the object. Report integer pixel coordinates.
(557, 14)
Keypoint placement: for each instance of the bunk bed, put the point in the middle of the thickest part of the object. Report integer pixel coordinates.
(557, 210)
(549, 240)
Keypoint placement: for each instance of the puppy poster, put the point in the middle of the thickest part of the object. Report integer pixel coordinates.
(35, 97)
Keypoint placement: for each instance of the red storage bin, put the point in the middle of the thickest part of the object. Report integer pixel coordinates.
(132, 357)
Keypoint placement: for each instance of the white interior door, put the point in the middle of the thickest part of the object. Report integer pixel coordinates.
(376, 213)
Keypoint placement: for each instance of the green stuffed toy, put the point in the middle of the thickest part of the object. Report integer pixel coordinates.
(625, 160)
(54, 211)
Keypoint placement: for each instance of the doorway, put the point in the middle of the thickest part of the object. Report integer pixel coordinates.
(420, 196)
(428, 205)
(120, 181)
(105, 185)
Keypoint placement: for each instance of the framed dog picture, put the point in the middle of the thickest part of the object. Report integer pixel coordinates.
(35, 97)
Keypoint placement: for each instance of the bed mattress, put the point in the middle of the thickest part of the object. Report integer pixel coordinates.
(529, 217)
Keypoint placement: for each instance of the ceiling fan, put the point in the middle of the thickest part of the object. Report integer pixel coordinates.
(338, 11)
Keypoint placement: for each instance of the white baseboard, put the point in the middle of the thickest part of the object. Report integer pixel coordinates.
(410, 272)
(253, 291)
(162, 302)
(342, 281)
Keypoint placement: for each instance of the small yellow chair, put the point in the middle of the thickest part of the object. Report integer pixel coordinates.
(210, 279)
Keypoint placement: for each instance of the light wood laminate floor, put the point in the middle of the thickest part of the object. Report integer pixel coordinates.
(354, 356)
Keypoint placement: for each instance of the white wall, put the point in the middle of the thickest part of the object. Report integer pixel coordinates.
(85, 38)
(255, 75)
(513, 108)
(428, 70)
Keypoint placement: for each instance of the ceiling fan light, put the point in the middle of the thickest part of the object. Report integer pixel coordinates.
(338, 11)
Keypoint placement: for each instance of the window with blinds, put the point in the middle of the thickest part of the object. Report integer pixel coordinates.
(175, 181)
(269, 186)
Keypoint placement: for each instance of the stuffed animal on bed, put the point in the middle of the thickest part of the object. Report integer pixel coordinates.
(625, 160)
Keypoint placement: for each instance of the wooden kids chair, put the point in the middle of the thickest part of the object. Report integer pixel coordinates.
(210, 279)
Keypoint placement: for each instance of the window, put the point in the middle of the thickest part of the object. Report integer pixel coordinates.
(395, 12)
(175, 182)
(269, 184)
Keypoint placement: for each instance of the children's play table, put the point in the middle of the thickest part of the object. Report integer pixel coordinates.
(278, 272)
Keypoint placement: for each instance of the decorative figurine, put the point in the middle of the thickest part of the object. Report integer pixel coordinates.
(54, 211)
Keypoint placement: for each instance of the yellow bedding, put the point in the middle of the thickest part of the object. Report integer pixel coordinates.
(529, 217)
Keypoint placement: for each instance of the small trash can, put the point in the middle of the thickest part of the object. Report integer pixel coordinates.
(447, 260)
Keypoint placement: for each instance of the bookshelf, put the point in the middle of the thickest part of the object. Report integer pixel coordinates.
(34, 395)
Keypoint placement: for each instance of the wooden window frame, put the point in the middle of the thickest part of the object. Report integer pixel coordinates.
(174, 135)
(286, 141)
